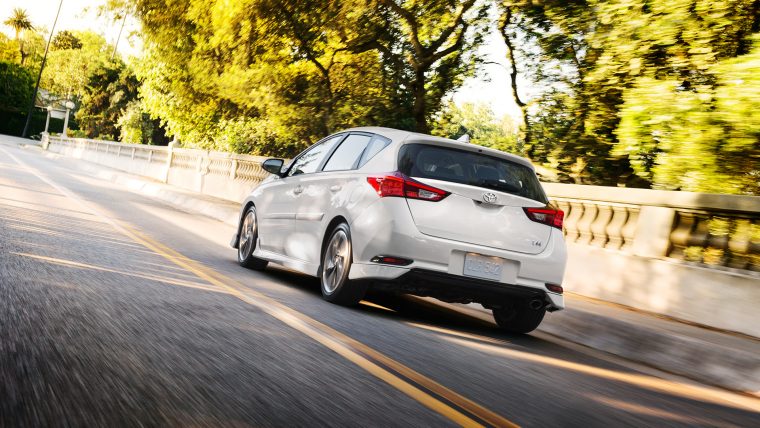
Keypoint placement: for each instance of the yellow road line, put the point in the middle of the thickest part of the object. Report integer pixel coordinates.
(351, 349)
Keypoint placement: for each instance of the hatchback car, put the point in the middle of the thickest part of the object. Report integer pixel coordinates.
(391, 210)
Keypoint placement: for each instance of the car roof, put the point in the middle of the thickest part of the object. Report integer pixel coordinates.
(408, 137)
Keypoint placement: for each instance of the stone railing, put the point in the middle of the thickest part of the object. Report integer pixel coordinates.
(712, 230)
(223, 175)
(691, 256)
(708, 229)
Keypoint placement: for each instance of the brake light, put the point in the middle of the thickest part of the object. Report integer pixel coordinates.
(554, 288)
(399, 185)
(548, 216)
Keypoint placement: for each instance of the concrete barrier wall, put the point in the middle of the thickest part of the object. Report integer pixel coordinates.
(691, 256)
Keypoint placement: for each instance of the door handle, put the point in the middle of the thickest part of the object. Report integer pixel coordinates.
(298, 190)
(335, 187)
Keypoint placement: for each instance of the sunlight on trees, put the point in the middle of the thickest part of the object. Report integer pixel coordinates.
(629, 92)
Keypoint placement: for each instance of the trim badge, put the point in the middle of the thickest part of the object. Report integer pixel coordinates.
(489, 198)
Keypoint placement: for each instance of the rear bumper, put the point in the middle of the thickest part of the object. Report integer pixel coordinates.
(387, 228)
(461, 289)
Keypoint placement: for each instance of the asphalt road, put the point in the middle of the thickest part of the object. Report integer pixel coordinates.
(117, 310)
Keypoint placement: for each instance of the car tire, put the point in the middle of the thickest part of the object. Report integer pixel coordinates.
(518, 317)
(336, 263)
(247, 239)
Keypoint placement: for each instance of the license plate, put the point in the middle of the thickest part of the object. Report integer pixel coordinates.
(485, 267)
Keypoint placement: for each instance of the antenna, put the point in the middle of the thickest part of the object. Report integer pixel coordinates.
(464, 138)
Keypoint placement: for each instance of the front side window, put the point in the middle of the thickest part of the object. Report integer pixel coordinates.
(309, 161)
(471, 168)
(347, 154)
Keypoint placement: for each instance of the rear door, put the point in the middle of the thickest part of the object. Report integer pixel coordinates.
(326, 192)
(488, 194)
(277, 216)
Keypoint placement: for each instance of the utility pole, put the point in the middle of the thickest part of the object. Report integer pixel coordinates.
(39, 76)
(116, 45)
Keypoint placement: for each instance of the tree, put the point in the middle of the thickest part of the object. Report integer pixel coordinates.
(65, 40)
(480, 123)
(20, 22)
(438, 43)
(262, 76)
(135, 125)
(9, 49)
(703, 138)
(68, 70)
(505, 24)
(109, 90)
(588, 55)
(16, 87)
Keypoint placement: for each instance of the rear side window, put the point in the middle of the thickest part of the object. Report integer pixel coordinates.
(347, 154)
(474, 169)
(377, 144)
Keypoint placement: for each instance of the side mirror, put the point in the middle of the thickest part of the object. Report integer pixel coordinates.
(273, 166)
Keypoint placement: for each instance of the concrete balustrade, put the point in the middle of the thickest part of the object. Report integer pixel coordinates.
(223, 175)
(691, 256)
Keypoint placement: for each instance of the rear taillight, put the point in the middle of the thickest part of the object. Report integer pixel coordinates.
(548, 216)
(399, 185)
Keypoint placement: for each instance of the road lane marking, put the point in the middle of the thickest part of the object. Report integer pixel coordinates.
(424, 390)
(148, 276)
(694, 392)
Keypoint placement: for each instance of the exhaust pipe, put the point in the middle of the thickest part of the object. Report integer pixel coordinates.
(536, 304)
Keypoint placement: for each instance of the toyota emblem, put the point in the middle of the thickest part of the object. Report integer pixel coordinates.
(489, 197)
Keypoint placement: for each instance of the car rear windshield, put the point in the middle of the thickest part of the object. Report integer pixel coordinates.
(474, 169)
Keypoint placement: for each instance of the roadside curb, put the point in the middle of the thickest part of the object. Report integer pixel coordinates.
(690, 357)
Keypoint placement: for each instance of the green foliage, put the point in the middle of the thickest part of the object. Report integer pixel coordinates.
(21, 24)
(109, 89)
(19, 21)
(16, 87)
(68, 70)
(480, 123)
(9, 49)
(703, 138)
(65, 40)
(212, 70)
(433, 45)
(633, 59)
(135, 125)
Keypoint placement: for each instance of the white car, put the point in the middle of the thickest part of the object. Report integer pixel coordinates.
(411, 213)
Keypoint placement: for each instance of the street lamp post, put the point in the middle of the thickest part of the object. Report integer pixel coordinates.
(69, 105)
(47, 120)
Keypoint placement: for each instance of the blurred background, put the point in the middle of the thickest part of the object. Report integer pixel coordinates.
(661, 95)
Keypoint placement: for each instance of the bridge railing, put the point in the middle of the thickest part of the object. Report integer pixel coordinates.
(707, 229)
(717, 231)
(223, 175)
(691, 256)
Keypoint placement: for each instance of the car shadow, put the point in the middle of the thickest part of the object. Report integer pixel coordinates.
(412, 310)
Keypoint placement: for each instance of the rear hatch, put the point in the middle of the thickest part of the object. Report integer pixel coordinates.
(488, 194)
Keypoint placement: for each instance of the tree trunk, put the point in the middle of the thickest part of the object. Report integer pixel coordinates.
(506, 21)
(419, 111)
